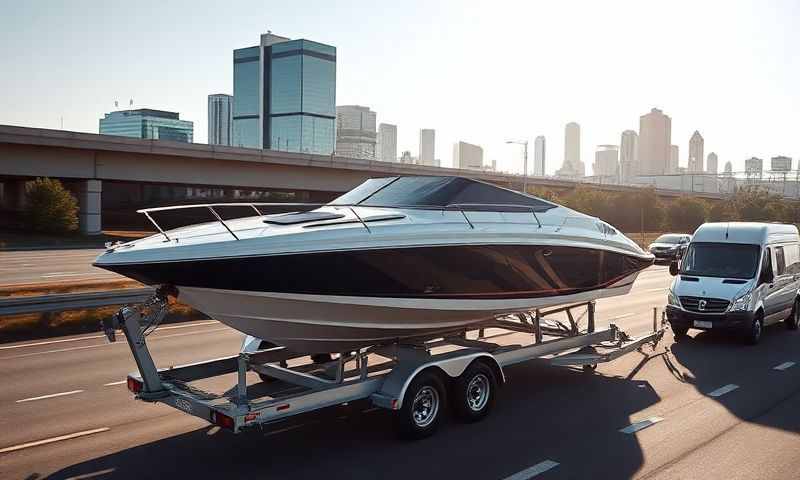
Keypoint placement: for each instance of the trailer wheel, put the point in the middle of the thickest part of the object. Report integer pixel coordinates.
(474, 392)
(423, 406)
(793, 321)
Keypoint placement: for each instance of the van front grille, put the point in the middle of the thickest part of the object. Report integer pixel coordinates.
(710, 305)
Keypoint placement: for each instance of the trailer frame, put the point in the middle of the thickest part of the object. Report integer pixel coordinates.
(350, 376)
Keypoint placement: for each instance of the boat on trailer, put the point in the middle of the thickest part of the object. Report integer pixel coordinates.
(395, 258)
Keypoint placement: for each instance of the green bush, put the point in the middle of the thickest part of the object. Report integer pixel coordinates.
(686, 214)
(49, 207)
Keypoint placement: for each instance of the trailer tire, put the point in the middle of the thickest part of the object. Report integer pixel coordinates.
(423, 406)
(474, 392)
(793, 321)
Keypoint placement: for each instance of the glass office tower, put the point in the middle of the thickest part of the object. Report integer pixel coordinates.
(147, 123)
(285, 96)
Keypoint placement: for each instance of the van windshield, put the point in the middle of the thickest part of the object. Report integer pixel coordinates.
(726, 260)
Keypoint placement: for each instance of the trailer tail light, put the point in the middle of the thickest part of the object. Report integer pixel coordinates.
(282, 407)
(134, 385)
(222, 420)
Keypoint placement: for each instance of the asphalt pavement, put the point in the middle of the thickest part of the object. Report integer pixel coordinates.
(50, 266)
(708, 407)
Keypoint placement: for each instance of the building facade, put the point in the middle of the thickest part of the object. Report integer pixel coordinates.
(467, 156)
(427, 146)
(387, 142)
(606, 163)
(780, 164)
(696, 145)
(220, 119)
(355, 132)
(147, 123)
(572, 167)
(655, 139)
(674, 159)
(753, 166)
(712, 163)
(284, 95)
(539, 151)
(628, 155)
(728, 169)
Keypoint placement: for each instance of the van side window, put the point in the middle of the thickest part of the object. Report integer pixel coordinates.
(791, 255)
(780, 261)
(766, 264)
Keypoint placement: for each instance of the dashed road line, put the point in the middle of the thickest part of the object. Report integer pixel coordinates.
(635, 427)
(52, 395)
(783, 366)
(98, 473)
(662, 289)
(620, 317)
(723, 390)
(115, 383)
(533, 471)
(53, 439)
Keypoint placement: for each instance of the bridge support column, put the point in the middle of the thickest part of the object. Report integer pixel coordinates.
(89, 203)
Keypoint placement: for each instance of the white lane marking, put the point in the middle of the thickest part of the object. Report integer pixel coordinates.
(98, 274)
(533, 471)
(52, 395)
(115, 383)
(116, 343)
(93, 474)
(50, 342)
(370, 410)
(662, 289)
(624, 315)
(635, 427)
(723, 390)
(53, 439)
(783, 366)
(287, 429)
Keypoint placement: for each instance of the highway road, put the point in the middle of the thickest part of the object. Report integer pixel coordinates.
(707, 408)
(50, 266)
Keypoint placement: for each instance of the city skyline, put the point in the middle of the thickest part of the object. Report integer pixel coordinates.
(119, 68)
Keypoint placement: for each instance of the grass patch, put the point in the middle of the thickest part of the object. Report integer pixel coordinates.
(15, 328)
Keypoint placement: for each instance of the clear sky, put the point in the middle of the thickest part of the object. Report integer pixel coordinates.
(477, 71)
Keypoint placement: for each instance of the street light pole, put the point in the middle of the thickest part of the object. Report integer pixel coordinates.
(524, 144)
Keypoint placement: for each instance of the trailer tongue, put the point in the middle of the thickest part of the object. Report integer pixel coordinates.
(414, 378)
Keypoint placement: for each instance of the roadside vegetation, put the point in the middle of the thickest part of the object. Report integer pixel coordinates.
(49, 207)
(644, 211)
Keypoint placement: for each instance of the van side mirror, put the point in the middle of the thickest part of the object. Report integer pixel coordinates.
(767, 276)
(673, 268)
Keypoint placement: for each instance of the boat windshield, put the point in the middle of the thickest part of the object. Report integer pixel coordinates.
(725, 260)
(437, 192)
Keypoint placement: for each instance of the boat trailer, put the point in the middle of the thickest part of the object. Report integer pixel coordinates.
(412, 377)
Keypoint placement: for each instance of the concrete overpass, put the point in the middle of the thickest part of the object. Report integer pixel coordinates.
(89, 159)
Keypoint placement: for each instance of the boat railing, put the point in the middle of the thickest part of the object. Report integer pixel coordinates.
(212, 208)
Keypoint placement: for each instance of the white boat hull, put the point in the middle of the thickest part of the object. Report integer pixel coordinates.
(330, 323)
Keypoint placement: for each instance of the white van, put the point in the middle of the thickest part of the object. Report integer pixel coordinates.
(737, 276)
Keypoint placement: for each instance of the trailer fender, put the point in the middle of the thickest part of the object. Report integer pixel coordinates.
(396, 383)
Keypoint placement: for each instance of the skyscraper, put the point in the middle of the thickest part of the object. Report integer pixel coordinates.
(628, 155)
(284, 95)
(674, 159)
(711, 163)
(355, 132)
(427, 146)
(655, 138)
(387, 142)
(468, 156)
(220, 119)
(147, 123)
(696, 153)
(753, 166)
(728, 169)
(606, 162)
(539, 156)
(573, 167)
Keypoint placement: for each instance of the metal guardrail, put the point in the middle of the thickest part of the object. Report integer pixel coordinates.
(72, 301)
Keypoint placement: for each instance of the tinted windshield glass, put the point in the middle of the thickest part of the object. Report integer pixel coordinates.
(727, 260)
(669, 239)
(362, 191)
(436, 191)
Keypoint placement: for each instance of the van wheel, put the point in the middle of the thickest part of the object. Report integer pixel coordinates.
(794, 318)
(474, 392)
(753, 335)
(423, 407)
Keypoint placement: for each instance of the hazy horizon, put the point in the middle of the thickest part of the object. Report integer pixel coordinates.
(477, 73)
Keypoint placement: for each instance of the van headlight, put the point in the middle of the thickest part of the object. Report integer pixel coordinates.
(742, 303)
(672, 299)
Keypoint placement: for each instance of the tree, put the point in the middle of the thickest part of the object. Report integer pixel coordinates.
(50, 207)
(751, 203)
(686, 214)
(722, 211)
(546, 194)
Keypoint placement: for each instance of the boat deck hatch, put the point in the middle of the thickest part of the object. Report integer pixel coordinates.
(302, 217)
